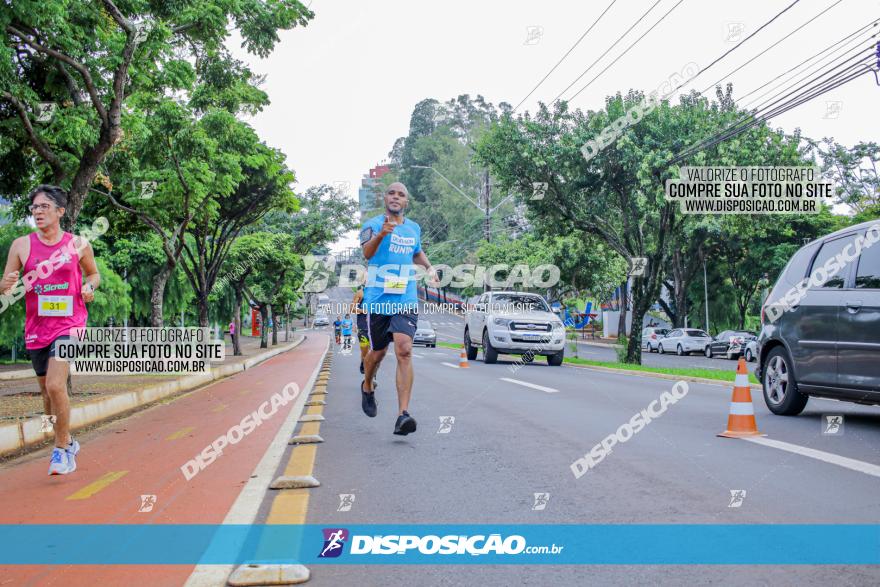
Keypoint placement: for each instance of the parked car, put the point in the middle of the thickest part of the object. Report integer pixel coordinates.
(828, 342)
(730, 343)
(650, 336)
(751, 353)
(513, 323)
(321, 320)
(425, 334)
(684, 341)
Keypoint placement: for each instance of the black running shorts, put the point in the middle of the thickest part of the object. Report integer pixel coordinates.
(382, 327)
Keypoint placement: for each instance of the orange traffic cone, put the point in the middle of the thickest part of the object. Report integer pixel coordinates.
(462, 360)
(741, 421)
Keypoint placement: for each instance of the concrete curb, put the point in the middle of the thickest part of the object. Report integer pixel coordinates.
(247, 505)
(663, 376)
(14, 437)
(20, 374)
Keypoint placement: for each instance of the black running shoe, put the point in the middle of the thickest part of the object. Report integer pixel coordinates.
(362, 367)
(405, 424)
(368, 402)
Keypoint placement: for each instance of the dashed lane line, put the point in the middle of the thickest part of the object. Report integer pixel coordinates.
(820, 455)
(532, 385)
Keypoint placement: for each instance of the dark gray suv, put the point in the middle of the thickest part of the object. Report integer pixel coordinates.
(820, 330)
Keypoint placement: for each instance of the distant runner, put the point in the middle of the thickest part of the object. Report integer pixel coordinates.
(346, 331)
(54, 263)
(357, 308)
(392, 244)
(337, 326)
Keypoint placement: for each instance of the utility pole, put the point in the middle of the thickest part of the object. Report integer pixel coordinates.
(487, 226)
(706, 293)
(486, 197)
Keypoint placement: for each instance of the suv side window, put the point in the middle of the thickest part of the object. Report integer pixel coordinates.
(484, 299)
(674, 333)
(868, 275)
(829, 250)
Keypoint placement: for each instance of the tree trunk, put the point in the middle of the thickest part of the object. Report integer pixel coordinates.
(621, 322)
(236, 347)
(160, 280)
(287, 323)
(264, 317)
(274, 326)
(203, 310)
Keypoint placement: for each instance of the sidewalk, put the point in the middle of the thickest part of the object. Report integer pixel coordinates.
(96, 399)
(142, 455)
(20, 398)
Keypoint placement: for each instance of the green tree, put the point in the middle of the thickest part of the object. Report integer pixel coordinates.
(618, 196)
(88, 58)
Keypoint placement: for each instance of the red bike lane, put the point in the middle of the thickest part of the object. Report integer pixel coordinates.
(142, 455)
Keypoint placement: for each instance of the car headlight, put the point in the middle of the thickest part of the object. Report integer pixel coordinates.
(558, 326)
(502, 321)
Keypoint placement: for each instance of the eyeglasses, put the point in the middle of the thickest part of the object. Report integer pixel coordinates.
(35, 207)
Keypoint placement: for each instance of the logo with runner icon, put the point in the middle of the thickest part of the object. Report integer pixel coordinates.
(334, 541)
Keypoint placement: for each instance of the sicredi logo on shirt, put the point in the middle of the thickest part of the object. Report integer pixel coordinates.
(404, 245)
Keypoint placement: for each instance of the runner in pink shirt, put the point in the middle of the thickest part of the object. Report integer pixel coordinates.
(54, 262)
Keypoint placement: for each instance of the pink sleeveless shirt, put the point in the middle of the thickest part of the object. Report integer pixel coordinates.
(53, 291)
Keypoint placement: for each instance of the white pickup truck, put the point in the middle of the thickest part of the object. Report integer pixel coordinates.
(513, 323)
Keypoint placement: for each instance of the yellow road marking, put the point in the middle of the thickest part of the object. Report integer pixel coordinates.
(93, 488)
(302, 460)
(181, 433)
(315, 410)
(310, 428)
(289, 507)
(220, 408)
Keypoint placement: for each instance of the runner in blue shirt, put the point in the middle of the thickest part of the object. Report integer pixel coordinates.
(393, 245)
(346, 331)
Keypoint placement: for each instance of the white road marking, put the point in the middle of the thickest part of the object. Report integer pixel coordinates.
(450, 365)
(532, 385)
(845, 462)
(418, 356)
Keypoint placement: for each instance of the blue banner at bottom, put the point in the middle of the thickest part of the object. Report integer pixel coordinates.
(664, 544)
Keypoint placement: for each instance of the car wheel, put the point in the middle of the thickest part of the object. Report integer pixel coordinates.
(469, 348)
(749, 356)
(555, 360)
(660, 348)
(780, 388)
(679, 351)
(490, 355)
(708, 352)
(433, 346)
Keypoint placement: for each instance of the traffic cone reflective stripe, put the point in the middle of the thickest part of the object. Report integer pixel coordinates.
(462, 361)
(741, 418)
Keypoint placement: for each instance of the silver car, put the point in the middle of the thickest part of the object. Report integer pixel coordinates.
(425, 334)
(684, 341)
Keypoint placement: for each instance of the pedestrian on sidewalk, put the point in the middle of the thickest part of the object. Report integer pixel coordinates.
(49, 317)
(232, 332)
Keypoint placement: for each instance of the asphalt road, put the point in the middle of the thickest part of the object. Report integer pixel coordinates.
(509, 441)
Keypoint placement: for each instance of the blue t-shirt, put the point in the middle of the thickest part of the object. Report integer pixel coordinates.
(391, 275)
(346, 327)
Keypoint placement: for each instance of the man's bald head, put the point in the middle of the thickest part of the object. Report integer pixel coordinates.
(396, 198)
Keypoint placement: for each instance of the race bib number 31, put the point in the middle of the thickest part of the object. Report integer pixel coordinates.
(55, 306)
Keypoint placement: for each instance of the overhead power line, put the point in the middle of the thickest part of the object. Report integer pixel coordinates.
(719, 80)
(826, 49)
(567, 53)
(841, 73)
(620, 38)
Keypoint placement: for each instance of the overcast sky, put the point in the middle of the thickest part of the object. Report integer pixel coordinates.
(343, 88)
